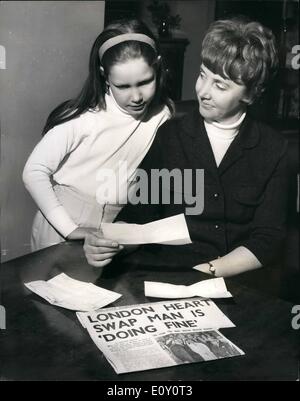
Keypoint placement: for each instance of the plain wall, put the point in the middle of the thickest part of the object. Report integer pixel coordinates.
(47, 45)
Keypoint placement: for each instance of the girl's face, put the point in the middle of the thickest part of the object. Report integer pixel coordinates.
(220, 100)
(133, 85)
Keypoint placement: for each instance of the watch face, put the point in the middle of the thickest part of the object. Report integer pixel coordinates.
(212, 269)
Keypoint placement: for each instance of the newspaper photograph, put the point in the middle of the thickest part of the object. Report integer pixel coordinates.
(160, 334)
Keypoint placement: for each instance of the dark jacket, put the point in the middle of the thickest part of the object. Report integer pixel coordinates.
(244, 198)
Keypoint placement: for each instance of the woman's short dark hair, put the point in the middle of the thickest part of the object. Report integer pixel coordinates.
(242, 51)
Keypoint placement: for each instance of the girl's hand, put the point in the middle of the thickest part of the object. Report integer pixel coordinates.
(128, 248)
(98, 250)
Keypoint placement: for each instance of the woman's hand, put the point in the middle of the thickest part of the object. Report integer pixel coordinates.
(98, 250)
(238, 261)
(205, 268)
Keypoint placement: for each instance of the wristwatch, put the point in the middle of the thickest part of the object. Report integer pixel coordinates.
(212, 268)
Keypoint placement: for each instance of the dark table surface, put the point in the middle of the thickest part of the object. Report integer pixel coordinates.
(43, 342)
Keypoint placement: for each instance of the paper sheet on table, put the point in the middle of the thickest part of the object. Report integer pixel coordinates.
(169, 231)
(69, 293)
(212, 288)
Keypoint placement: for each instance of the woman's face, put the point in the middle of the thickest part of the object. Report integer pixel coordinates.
(220, 100)
(133, 85)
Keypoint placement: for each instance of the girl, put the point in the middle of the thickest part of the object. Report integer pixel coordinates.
(109, 127)
(242, 225)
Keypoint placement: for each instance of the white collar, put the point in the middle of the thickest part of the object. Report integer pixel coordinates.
(234, 125)
(124, 111)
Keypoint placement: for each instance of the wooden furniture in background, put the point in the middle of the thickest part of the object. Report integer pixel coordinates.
(172, 50)
(121, 9)
(279, 106)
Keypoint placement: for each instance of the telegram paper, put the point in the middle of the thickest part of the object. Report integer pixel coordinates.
(211, 288)
(69, 293)
(169, 231)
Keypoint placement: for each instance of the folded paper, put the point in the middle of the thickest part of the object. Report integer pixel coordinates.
(212, 288)
(169, 231)
(69, 293)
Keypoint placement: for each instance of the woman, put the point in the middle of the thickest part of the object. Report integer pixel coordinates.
(242, 224)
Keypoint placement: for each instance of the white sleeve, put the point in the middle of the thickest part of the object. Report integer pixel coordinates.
(41, 165)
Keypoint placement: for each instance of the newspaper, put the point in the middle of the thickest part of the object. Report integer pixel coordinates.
(160, 334)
